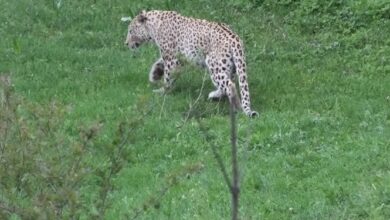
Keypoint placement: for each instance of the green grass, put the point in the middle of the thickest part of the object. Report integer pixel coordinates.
(83, 135)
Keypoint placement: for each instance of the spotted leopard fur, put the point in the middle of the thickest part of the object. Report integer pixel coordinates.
(209, 44)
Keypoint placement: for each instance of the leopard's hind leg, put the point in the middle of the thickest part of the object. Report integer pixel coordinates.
(220, 76)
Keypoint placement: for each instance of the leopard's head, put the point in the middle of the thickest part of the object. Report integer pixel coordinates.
(137, 31)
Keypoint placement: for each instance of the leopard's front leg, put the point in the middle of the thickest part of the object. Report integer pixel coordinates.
(170, 64)
(157, 71)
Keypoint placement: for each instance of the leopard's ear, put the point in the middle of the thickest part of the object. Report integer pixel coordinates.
(142, 17)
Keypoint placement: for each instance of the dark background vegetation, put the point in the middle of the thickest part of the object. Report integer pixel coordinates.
(83, 137)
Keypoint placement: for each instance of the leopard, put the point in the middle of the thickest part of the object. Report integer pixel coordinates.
(210, 44)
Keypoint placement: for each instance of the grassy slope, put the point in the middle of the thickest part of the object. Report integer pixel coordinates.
(319, 150)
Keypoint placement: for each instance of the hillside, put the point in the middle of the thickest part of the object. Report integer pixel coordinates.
(82, 135)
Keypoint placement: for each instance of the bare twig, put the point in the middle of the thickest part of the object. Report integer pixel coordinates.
(160, 195)
(162, 106)
(112, 171)
(235, 189)
(11, 209)
(172, 180)
(5, 90)
(192, 105)
(234, 184)
(114, 168)
(218, 157)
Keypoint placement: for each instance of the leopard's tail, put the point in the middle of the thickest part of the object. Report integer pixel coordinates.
(240, 66)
